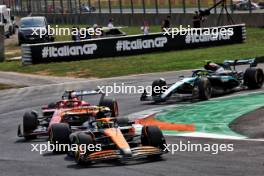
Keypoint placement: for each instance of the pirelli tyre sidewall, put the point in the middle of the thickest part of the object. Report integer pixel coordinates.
(204, 88)
(30, 123)
(59, 134)
(152, 136)
(78, 139)
(112, 104)
(253, 78)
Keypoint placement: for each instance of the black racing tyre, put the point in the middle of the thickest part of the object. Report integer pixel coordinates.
(204, 88)
(253, 78)
(59, 134)
(158, 86)
(111, 104)
(122, 121)
(30, 121)
(152, 136)
(79, 139)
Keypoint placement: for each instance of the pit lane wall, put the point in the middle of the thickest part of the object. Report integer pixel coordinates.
(127, 45)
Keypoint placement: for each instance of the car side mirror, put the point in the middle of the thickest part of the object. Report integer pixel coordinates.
(16, 26)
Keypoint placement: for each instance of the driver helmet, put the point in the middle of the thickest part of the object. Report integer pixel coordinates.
(209, 65)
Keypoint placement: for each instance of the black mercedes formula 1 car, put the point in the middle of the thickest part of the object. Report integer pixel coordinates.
(214, 79)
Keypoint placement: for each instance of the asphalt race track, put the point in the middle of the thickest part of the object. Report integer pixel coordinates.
(16, 158)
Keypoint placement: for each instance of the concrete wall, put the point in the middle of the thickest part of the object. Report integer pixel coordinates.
(253, 20)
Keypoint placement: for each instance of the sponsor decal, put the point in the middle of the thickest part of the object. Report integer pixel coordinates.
(125, 45)
(63, 51)
(209, 35)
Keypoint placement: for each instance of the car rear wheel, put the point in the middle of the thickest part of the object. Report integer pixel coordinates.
(152, 136)
(82, 139)
(253, 78)
(30, 123)
(111, 104)
(204, 88)
(59, 134)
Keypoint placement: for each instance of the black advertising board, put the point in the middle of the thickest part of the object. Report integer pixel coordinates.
(131, 45)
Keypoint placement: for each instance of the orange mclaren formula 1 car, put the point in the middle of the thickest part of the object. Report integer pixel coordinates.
(106, 138)
(64, 112)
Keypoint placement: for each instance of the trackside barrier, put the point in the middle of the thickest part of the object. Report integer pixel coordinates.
(127, 45)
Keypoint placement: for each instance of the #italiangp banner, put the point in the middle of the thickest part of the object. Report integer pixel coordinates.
(131, 45)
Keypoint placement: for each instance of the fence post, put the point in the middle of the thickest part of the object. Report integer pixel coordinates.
(132, 6)
(199, 5)
(15, 7)
(75, 7)
(231, 5)
(62, 7)
(170, 7)
(156, 6)
(250, 8)
(215, 8)
(110, 7)
(2, 43)
(80, 5)
(46, 6)
(99, 6)
(53, 6)
(184, 6)
(120, 6)
(27, 7)
(21, 7)
(89, 4)
(144, 6)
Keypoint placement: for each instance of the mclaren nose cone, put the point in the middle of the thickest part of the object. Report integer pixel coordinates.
(126, 152)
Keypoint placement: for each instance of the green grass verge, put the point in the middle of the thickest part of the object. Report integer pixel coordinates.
(12, 50)
(155, 62)
(8, 86)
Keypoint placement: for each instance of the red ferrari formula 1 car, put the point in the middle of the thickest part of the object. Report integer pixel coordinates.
(55, 113)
